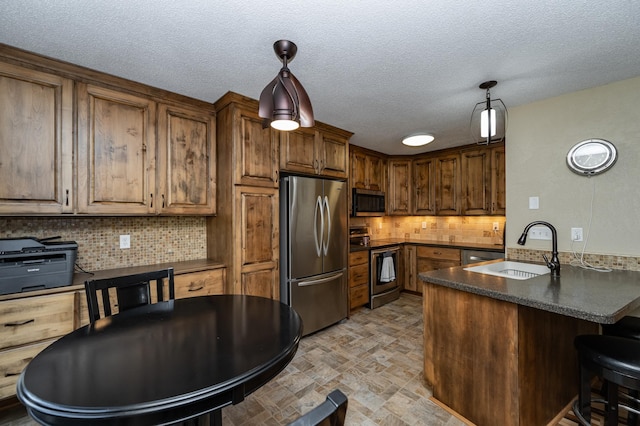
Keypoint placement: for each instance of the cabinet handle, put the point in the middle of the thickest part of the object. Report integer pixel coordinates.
(151, 200)
(17, 373)
(19, 323)
(163, 201)
(196, 289)
(67, 199)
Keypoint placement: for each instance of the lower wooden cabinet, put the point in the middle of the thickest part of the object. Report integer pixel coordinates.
(358, 278)
(423, 259)
(203, 283)
(28, 325)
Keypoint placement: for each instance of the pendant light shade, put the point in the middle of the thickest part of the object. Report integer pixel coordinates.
(284, 102)
(488, 119)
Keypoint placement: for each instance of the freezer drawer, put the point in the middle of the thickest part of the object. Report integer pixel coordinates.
(320, 301)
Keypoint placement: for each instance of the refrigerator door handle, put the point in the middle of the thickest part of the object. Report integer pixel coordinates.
(321, 280)
(326, 243)
(317, 240)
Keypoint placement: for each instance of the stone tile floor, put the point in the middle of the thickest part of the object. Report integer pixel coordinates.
(374, 357)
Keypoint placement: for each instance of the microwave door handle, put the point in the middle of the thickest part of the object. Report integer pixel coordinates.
(326, 243)
(317, 240)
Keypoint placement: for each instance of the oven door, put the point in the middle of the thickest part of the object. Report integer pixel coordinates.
(384, 269)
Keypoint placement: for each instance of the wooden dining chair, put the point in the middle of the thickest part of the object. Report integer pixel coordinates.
(331, 412)
(127, 292)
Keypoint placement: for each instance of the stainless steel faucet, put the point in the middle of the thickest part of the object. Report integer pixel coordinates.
(554, 264)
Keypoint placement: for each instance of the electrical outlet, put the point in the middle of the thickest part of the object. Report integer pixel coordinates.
(125, 241)
(424, 225)
(576, 234)
(496, 226)
(540, 233)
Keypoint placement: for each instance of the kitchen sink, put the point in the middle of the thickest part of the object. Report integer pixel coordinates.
(510, 269)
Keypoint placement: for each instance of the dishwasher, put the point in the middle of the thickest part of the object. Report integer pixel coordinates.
(475, 256)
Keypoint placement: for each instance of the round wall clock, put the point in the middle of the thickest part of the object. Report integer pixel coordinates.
(592, 157)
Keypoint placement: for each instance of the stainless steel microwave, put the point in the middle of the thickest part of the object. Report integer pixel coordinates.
(367, 203)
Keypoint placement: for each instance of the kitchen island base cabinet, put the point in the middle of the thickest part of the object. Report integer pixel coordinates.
(496, 362)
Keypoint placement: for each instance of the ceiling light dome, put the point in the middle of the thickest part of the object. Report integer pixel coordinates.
(418, 140)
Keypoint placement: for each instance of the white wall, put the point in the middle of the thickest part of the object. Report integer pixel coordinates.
(540, 134)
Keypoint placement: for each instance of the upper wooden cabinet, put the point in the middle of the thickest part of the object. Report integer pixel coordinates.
(498, 181)
(483, 181)
(368, 169)
(247, 150)
(399, 196)
(36, 142)
(424, 186)
(469, 181)
(321, 150)
(448, 182)
(186, 160)
(124, 169)
(139, 150)
(116, 152)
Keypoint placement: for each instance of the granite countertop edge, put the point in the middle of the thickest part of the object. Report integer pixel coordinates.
(578, 293)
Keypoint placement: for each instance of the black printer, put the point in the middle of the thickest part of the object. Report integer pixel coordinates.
(32, 264)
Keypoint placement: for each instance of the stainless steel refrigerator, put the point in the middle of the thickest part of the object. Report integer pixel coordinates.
(314, 249)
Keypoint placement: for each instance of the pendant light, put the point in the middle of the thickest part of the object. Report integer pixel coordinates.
(284, 102)
(489, 118)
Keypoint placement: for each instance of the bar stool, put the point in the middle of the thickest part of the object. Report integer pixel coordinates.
(614, 359)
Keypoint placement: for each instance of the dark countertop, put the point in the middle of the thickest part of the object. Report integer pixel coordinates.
(602, 297)
(380, 243)
(181, 267)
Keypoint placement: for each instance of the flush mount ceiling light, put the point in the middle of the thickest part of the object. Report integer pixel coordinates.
(489, 118)
(284, 102)
(418, 140)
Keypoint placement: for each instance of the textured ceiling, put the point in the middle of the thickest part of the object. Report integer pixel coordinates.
(377, 68)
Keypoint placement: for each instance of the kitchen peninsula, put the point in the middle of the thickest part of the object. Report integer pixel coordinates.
(500, 350)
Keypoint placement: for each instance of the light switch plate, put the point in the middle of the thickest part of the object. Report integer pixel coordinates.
(534, 203)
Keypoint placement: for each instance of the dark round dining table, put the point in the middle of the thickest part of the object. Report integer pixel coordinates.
(162, 363)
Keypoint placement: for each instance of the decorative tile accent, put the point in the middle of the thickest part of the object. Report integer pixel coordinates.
(626, 263)
(153, 239)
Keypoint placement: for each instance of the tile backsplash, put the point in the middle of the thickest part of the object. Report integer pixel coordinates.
(153, 239)
(451, 229)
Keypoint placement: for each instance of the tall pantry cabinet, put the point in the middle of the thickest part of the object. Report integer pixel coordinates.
(244, 235)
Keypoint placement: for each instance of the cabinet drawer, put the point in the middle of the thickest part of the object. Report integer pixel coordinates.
(201, 283)
(35, 318)
(358, 275)
(13, 361)
(358, 257)
(439, 253)
(358, 296)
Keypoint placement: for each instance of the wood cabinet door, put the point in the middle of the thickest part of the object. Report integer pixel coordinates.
(186, 161)
(448, 185)
(376, 167)
(332, 154)
(116, 152)
(424, 186)
(257, 210)
(498, 181)
(298, 151)
(359, 165)
(256, 154)
(476, 182)
(410, 268)
(399, 180)
(36, 142)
